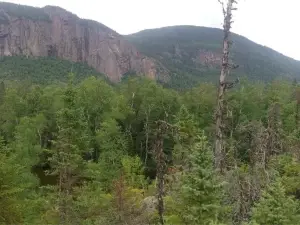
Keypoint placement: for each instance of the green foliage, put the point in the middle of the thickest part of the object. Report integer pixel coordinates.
(133, 170)
(72, 139)
(201, 190)
(9, 189)
(148, 103)
(288, 169)
(93, 205)
(98, 140)
(66, 160)
(113, 147)
(40, 70)
(201, 102)
(197, 196)
(276, 208)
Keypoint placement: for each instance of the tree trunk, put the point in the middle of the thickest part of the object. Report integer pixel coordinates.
(160, 180)
(62, 196)
(297, 106)
(220, 142)
(160, 168)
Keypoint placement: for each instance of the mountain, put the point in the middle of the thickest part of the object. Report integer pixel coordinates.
(192, 53)
(33, 41)
(54, 32)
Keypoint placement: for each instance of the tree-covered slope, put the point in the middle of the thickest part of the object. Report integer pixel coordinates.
(43, 70)
(194, 53)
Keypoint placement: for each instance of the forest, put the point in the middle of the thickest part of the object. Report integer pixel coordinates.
(92, 153)
(40, 70)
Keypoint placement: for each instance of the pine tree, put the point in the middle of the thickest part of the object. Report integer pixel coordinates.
(276, 208)
(187, 131)
(9, 188)
(201, 190)
(70, 146)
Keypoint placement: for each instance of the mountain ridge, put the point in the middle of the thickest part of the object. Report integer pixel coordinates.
(195, 53)
(177, 56)
(212, 28)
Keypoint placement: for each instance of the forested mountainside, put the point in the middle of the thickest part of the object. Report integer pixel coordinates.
(80, 149)
(178, 57)
(194, 53)
(54, 32)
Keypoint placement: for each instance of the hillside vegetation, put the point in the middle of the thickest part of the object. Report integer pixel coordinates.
(75, 149)
(193, 54)
(86, 153)
(43, 70)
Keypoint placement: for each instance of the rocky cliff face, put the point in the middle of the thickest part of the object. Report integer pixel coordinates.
(53, 31)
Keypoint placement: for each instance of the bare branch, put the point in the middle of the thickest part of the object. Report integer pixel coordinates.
(233, 66)
(223, 7)
(229, 84)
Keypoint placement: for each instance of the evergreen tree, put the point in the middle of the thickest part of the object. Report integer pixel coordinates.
(201, 190)
(276, 208)
(10, 188)
(70, 146)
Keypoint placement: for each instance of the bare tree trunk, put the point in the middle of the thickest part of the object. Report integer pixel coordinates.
(65, 188)
(62, 203)
(162, 128)
(147, 135)
(220, 142)
(160, 179)
(160, 169)
(62, 196)
(119, 188)
(297, 106)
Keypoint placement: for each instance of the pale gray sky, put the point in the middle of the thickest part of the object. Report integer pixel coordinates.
(273, 23)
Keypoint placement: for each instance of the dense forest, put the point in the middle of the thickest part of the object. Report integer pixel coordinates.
(43, 70)
(92, 153)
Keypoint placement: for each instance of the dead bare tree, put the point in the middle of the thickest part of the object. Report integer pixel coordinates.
(297, 93)
(223, 85)
(158, 151)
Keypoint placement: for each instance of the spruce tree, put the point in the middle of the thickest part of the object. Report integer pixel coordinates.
(276, 208)
(10, 188)
(70, 146)
(201, 190)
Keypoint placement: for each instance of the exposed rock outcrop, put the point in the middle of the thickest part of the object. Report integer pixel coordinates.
(53, 31)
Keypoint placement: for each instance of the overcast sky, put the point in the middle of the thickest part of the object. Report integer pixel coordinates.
(273, 23)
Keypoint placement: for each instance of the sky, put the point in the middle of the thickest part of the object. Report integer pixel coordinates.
(272, 23)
